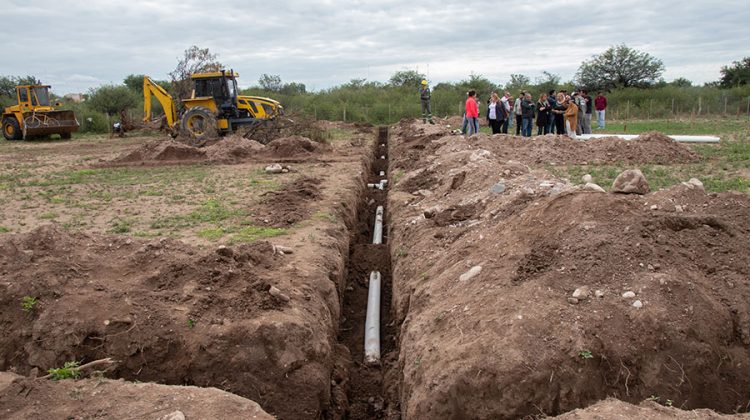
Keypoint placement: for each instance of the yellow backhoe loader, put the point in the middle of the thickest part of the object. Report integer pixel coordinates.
(214, 108)
(33, 116)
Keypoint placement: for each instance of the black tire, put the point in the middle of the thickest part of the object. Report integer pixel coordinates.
(11, 129)
(66, 136)
(198, 125)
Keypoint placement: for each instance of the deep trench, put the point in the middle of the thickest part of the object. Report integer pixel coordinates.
(369, 394)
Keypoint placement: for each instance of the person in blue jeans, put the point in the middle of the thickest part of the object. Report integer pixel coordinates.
(528, 110)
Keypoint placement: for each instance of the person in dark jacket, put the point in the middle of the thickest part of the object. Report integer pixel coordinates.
(527, 114)
(587, 115)
(542, 115)
(552, 103)
(558, 111)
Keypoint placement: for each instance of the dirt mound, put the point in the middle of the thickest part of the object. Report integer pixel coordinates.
(288, 205)
(647, 410)
(295, 146)
(495, 252)
(233, 148)
(161, 151)
(23, 398)
(167, 312)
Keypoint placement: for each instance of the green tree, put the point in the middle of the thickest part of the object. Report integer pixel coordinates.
(293, 88)
(619, 67)
(547, 81)
(111, 99)
(681, 82)
(737, 74)
(517, 83)
(8, 84)
(270, 82)
(410, 78)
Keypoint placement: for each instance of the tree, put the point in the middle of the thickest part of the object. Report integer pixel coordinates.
(112, 99)
(195, 60)
(517, 82)
(619, 66)
(8, 84)
(681, 82)
(293, 88)
(410, 78)
(270, 82)
(547, 81)
(737, 74)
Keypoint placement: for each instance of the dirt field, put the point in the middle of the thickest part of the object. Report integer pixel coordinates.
(492, 250)
(510, 288)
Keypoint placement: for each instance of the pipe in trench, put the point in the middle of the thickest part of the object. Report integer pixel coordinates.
(377, 233)
(372, 321)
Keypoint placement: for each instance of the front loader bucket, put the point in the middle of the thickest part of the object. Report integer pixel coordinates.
(49, 122)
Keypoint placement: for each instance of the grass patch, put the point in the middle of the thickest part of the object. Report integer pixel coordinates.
(336, 134)
(4, 229)
(120, 226)
(684, 127)
(211, 233)
(254, 233)
(48, 215)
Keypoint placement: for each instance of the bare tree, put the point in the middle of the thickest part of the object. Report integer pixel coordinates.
(195, 60)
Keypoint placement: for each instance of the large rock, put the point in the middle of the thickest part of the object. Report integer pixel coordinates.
(631, 181)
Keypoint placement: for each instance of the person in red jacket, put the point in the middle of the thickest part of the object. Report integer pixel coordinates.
(472, 113)
(600, 103)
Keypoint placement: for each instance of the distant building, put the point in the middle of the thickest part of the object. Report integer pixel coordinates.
(74, 97)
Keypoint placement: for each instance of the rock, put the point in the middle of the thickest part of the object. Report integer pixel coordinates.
(498, 188)
(274, 169)
(527, 190)
(480, 154)
(429, 213)
(473, 272)
(679, 209)
(590, 186)
(599, 294)
(175, 415)
(694, 183)
(281, 250)
(654, 207)
(581, 292)
(275, 292)
(587, 179)
(546, 184)
(572, 301)
(284, 170)
(224, 251)
(631, 181)
(638, 304)
(628, 295)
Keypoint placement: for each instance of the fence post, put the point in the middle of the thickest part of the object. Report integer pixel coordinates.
(344, 112)
(700, 104)
(725, 106)
(673, 114)
(389, 113)
(315, 112)
(627, 111)
(748, 106)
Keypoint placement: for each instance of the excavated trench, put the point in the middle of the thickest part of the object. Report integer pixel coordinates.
(365, 390)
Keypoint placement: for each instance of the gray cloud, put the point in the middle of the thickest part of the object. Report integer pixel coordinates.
(75, 45)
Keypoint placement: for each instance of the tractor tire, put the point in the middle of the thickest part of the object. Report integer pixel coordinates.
(66, 136)
(198, 125)
(11, 129)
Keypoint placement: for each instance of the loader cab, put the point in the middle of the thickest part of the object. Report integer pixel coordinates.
(221, 86)
(33, 96)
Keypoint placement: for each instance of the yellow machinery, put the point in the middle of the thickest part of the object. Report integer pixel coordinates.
(33, 116)
(213, 109)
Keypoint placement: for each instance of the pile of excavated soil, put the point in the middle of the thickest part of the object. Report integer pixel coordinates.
(233, 148)
(171, 313)
(295, 146)
(161, 151)
(23, 398)
(288, 205)
(647, 410)
(418, 140)
(496, 250)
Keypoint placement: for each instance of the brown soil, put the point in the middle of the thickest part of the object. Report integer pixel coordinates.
(295, 146)
(288, 205)
(647, 410)
(22, 398)
(507, 342)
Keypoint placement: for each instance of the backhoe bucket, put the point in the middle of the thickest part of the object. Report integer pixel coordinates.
(37, 123)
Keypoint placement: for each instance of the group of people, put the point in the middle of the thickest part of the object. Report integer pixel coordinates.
(554, 112)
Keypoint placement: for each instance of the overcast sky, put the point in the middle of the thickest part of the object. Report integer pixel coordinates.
(76, 45)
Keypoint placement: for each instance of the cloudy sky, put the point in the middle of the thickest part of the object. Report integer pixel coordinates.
(75, 45)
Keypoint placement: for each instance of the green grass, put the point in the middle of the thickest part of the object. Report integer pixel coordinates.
(715, 126)
(211, 233)
(254, 233)
(4, 229)
(336, 134)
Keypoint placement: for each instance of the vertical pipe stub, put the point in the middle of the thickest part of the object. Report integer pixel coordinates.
(372, 321)
(377, 233)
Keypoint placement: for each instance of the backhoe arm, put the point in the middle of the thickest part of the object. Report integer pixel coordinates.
(161, 95)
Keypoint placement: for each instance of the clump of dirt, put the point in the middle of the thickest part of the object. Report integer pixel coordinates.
(288, 205)
(24, 398)
(490, 325)
(650, 410)
(295, 146)
(168, 312)
(162, 150)
(233, 148)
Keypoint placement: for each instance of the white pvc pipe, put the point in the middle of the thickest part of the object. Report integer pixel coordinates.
(372, 321)
(681, 139)
(382, 173)
(377, 233)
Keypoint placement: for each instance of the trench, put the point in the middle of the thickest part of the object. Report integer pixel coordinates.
(367, 392)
